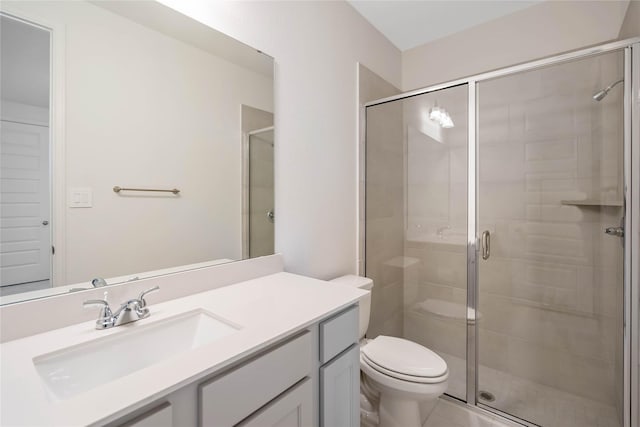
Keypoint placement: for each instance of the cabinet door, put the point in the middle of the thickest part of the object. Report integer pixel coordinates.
(293, 408)
(340, 390)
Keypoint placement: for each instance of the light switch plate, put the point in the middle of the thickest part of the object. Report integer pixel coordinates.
(81, 198)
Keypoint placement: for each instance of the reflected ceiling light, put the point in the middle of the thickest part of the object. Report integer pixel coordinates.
(441, 116)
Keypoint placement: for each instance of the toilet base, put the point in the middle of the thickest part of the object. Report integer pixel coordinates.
(426, 408)
(369, 399)
(392, 409)
(398, 412)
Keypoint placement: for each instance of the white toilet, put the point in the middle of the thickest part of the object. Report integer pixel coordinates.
(401, 380)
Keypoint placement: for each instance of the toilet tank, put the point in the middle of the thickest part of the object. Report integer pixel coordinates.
(363, 283)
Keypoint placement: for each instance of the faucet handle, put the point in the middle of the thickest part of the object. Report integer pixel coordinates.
(143, 302)
(105, 311)
(92, 302)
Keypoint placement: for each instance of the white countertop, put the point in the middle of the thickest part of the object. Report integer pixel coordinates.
(268, 309)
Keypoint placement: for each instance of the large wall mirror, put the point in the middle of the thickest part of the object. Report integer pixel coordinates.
(135, 142)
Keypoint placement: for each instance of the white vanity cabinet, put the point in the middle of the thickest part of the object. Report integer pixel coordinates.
(340, 370)
(290, 360)
(308, 379)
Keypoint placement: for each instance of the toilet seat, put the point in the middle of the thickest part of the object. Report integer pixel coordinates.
(404, 360)
(403, 377)
(399, 387)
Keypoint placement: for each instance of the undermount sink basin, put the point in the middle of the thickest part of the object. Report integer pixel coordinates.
(80, 368)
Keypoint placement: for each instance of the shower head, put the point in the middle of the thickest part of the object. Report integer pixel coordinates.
(599, 96)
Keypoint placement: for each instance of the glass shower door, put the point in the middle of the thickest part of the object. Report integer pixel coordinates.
(550, 283)
(416, 219)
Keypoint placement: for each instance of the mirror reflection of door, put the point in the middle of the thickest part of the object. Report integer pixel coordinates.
(261, 199)
(25, 229)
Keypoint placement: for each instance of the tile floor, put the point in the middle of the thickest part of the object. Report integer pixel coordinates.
(526, 399)
(448, 414)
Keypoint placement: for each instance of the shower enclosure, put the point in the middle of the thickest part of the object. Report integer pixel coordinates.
(496, 209)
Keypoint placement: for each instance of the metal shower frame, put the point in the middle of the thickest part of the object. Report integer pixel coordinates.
(631, 49)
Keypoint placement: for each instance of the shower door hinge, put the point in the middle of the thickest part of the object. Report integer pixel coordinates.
(615, 231)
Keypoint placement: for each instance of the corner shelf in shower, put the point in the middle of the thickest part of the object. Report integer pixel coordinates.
(592, 203)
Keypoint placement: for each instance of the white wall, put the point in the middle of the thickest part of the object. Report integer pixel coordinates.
(548, 28)
(145, 110)
(316, 46)
(631, 25)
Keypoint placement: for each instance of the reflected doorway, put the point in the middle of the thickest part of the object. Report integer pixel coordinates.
(25, 173)
(258, 214)
(261, 196)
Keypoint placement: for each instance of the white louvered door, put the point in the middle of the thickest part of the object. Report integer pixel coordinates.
(25, 229)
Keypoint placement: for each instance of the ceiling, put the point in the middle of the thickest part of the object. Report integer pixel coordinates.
(408, 24)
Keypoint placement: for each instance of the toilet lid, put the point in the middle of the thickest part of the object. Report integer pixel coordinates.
(404, 357)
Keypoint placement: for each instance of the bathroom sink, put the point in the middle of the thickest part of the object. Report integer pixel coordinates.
(80, 368)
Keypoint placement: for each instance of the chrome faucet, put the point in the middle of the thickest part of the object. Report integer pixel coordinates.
(130, 311)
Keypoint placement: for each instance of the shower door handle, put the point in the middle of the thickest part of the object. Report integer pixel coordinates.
(486, 244)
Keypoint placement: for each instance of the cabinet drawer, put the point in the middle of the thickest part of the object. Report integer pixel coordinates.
(226, 400)
(338, 333)
(294, 408)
